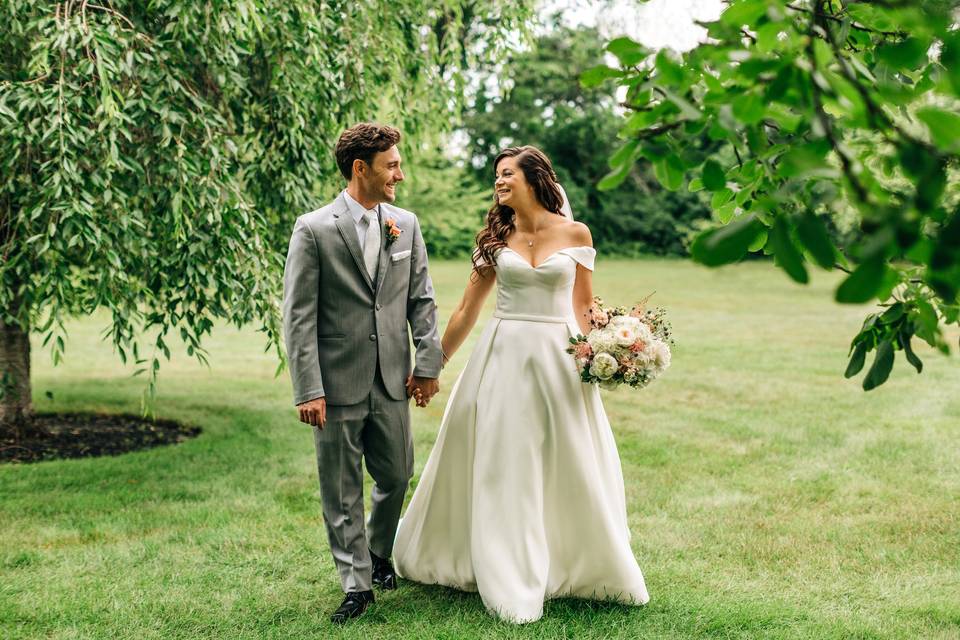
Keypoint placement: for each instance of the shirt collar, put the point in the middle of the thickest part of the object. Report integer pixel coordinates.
(356, 209)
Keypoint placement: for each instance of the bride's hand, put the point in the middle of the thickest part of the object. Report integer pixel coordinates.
(413, 391)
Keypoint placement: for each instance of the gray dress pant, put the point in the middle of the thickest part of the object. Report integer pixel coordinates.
(376, 430)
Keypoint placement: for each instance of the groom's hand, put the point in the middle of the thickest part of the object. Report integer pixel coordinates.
(413, 391)
(313, 412)
(424, 389)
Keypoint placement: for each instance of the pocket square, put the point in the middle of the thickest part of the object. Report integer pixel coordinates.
(400, 255)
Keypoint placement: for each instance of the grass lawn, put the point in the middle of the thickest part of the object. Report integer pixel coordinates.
(768, 496)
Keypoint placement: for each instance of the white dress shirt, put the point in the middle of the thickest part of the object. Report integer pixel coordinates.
(357, 212)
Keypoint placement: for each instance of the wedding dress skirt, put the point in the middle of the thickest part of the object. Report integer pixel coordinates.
(522, 497)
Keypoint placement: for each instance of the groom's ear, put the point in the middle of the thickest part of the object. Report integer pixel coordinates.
(359, 167)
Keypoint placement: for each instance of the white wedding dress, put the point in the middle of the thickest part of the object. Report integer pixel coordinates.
(522, 497)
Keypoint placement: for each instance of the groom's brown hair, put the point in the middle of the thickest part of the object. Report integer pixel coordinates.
(361, 142)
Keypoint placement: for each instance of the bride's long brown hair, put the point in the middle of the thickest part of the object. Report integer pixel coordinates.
(501, 220)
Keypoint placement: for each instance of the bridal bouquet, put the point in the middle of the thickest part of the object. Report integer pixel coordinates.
(624, 346)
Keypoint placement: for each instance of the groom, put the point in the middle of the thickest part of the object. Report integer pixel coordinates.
(355, 276)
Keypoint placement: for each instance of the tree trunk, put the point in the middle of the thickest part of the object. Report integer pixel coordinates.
(16, 405)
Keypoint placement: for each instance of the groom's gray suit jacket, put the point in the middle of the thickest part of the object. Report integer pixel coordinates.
(339, 325)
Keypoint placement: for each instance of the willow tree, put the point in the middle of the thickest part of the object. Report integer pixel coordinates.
(817, 106)
(154, 154)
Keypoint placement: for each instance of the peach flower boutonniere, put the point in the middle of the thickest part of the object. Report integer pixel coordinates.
(392, 230)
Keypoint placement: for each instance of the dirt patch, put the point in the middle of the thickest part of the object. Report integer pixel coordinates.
(85, 435)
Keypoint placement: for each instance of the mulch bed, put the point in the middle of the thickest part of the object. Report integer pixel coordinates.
(84, 435)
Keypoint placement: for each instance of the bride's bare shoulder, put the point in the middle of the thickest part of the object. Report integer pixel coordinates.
(577, 233)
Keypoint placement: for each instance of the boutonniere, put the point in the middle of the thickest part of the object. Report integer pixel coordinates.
(393, 231)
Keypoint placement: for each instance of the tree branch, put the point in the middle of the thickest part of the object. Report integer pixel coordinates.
(853, 25)
(845, 161)
(114, 12)
(874, 112)
(653, 132)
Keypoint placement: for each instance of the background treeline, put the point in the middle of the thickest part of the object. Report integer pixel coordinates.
(535, 97)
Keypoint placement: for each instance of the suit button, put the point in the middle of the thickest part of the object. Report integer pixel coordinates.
(379, 306)
(373, 336)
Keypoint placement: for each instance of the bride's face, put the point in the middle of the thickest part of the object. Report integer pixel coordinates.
(510, 185)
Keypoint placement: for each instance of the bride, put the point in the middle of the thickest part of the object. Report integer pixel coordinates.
(522, 497)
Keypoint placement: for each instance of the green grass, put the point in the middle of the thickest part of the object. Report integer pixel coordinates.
(768, 496)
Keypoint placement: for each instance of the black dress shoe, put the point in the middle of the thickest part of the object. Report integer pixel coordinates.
(384, 576)
(352, 606)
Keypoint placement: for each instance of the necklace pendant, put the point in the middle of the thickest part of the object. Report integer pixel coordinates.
(529, 243)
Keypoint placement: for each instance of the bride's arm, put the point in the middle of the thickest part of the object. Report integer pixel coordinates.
(465, 315)
(583, 287)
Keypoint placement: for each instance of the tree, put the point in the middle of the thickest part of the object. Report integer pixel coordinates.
(543, 104)
(817, 105)
(155, 154)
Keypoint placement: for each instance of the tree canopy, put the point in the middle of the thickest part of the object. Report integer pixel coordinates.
(542, 103)
(818, 106)
(155, 154)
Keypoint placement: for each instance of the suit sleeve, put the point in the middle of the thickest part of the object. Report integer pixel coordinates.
(301, 278)
(422, 311)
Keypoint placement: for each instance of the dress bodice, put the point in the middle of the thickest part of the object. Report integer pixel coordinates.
(542, 291)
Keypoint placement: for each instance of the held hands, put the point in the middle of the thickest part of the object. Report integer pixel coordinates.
(422, 389)
(313, 412)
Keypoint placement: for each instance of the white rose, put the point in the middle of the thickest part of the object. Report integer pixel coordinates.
(609, 385)
(604, 366)
(644, 358)
(643, 331)
(602, 340)
(625, 321)
(625, 334)
(659, 354)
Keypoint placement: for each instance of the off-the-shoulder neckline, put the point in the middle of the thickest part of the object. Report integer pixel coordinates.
(558, 251)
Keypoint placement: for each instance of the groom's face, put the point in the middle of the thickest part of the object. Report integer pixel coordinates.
(379, 180)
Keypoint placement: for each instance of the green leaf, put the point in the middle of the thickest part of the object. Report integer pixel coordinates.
(882, 364)
(950, 59)
(928, 323)
(931, 185)
(944, 127)
(744, 12)
(695, 185)
(749, 107)
(726, 244)
(669, 171)
(813, 234)
(768, 36)
(669, 71)
(687, 110)
(893, 313)
(803, 159)
(625, 154)
(906, 54)
(760, 241)
(856, 360)
(864, 283)
(628, 51)
(596, 75)
(713, 176)
(788, 258)
(912, 358)
(615, 178)
(721, 198)
(725, 213)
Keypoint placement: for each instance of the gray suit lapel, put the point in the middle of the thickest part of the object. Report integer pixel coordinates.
(348, 230)
(384, 250)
